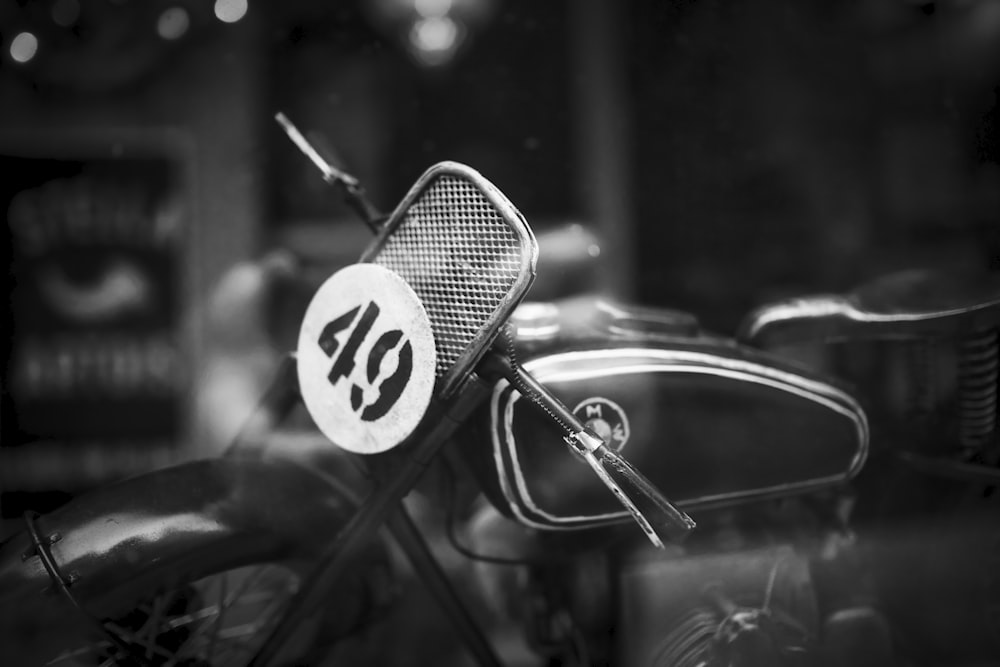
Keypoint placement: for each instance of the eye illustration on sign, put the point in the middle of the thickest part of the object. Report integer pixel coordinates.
(366, 359)
(120, 288)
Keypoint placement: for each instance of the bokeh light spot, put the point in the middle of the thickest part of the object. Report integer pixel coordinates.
(230, 11)
(65, 12)
(434, 35)
(173, 23)
(23, 47)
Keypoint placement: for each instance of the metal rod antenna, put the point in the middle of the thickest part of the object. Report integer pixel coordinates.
(355, 194)
(330, 173)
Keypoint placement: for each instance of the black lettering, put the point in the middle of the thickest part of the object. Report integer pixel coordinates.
(328, 338)
(392, 388)
(344, 363)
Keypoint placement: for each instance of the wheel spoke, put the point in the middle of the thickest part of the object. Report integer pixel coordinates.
(84, 650)
(247, 599)
(209, 610)
(131, 638)
(265, 584)
(218, 619)
(274, 592)
(153, 621)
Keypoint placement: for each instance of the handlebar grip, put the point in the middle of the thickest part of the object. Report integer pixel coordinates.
(675, 522)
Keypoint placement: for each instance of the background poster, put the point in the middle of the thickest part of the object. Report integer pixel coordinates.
(93, 367)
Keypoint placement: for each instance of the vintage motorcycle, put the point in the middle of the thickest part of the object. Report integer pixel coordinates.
(525, 425)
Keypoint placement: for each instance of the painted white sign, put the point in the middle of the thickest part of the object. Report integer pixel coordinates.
(366, 359)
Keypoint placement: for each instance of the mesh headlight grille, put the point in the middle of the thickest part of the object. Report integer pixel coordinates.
(467, 253)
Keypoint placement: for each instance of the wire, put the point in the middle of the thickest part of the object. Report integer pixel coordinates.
(451, 503)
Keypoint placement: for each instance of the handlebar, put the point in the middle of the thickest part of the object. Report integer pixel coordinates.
(469, 256)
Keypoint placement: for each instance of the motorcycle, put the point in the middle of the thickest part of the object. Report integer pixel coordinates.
(423, 362)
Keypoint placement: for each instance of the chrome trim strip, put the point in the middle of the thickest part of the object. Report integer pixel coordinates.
(827, 306)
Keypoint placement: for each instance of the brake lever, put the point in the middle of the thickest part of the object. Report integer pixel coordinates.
(604, 460)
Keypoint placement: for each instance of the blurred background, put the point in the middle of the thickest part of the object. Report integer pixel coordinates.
(695, 154)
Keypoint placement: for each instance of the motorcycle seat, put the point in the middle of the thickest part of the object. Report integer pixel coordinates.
(903, 305)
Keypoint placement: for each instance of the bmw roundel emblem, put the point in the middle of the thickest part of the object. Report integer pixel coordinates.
(606, 418)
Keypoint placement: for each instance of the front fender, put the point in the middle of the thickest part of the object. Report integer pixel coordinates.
(188, 521)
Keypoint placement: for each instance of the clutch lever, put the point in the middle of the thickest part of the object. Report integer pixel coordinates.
(606, 463)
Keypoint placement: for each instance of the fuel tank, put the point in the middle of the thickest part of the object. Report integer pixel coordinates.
(709, 422)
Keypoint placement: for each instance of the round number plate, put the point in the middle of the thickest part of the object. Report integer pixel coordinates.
(366, 359)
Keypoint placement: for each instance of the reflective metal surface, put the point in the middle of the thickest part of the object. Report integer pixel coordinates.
(141, 535)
